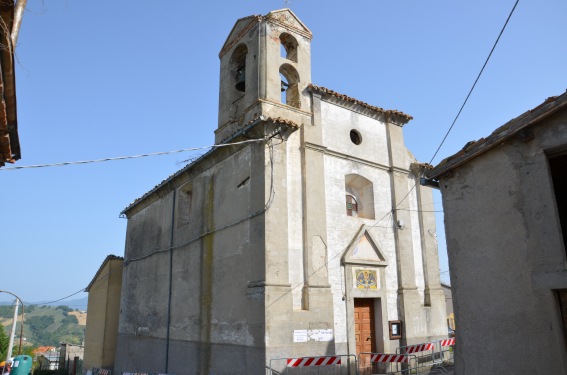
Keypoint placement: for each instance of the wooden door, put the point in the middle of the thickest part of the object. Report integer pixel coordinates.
(364, 324)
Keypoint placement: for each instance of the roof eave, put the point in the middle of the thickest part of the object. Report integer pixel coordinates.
(513, 126)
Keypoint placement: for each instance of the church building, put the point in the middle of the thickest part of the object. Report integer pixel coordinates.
(301, 234)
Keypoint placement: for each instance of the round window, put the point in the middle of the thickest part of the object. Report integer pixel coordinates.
(355, 137)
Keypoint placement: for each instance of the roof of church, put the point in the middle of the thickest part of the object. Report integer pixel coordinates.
(321, 89)
(275, 120)
(475, 148)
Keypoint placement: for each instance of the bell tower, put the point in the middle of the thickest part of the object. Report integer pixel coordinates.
(265, 70)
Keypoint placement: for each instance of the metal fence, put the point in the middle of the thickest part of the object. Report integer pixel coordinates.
(426, 354)
(434, 355)
(323, 365)
(100, 371)
(447, 351)
(384, 363)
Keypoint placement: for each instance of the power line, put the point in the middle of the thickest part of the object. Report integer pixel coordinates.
(129, 157)
(475, 81)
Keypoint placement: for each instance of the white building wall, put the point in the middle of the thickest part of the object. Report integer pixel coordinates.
(295, 218)
(416, 236)
(339, 162)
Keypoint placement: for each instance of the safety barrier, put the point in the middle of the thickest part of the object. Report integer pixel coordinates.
(434, 355)
(101, 371)
(323, 365)
(427, 355)
(384, 363)
(447, 351)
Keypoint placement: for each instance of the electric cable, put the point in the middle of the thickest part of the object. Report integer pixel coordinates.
(128, 157)
(475, 81)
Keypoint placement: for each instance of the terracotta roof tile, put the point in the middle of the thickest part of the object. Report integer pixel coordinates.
(347, 98)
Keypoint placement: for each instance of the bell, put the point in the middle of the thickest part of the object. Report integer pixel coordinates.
(240, 79)
(284, 86)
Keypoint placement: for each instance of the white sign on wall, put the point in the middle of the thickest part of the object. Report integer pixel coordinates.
(304, 335)
(300, 335)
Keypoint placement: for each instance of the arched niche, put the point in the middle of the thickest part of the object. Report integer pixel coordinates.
(238, 67)
(289, 47)
(362, 190)
(290, 86)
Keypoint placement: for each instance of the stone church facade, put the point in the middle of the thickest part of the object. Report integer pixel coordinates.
(277, 245)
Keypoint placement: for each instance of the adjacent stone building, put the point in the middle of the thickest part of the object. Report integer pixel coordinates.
(303, 237)
(103, 312)
(505, 203)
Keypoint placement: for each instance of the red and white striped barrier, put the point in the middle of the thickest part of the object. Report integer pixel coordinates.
(389, 358)
(420, 348)
(447, 342)
(313, 361)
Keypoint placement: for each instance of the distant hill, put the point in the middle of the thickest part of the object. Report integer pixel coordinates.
(79, 303)
(48, 325)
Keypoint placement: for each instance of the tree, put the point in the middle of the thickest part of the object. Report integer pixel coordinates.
(4, 342)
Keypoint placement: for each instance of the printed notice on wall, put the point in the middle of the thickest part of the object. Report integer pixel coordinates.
(320, 334)
(304, 335)
(300, 335)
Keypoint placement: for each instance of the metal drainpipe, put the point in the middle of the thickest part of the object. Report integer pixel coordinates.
(170, 280)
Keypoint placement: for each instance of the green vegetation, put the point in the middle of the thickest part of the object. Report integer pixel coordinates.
(4, 341)
(44, 325)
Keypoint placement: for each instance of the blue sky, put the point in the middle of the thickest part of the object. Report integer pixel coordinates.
(106, 78)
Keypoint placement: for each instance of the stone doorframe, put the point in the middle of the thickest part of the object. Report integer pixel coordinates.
(363, 254)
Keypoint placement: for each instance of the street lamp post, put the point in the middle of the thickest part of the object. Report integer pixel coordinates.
(18, 299)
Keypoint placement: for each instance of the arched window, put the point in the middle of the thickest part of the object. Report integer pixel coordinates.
(289, 86)
(288, 47)
(360, 191)
(351, 205)
(238, 67)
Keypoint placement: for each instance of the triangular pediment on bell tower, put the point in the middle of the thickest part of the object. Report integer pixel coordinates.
(363, 250)
(283, 17)
(288, 19)
(241, 27)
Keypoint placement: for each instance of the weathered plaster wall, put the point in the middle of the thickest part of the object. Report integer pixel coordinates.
(102, 319)
(217, 254)
(506, 257)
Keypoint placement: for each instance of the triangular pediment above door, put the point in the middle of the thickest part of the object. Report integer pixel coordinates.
(364, 250)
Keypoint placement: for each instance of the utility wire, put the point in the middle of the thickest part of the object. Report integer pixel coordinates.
(475, 81)
(129, 157)
(465, 101)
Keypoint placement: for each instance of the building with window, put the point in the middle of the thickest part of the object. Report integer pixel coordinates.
(505, 203)
(304, 237)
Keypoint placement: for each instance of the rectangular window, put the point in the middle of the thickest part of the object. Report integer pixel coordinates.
(562, 297)
(184, 203)
(558, 168)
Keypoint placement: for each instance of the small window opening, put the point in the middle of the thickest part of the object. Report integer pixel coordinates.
(351, 205)
(288, 47)
(289, 86)
(244, 182)
(284, 86)
(184, 206)
(361, 193)
(355, 137)
(238, 67)
(558, 166)
(562, 299)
